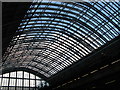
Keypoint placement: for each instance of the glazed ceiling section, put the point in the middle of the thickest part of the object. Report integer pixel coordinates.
(54, 35)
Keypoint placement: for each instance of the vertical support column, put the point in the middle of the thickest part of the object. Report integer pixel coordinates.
(23, 81)
(9, 81)
(1, 43)
(0, 38)
(35, 84)
(16, 82)
(1, 82)
(29, 81)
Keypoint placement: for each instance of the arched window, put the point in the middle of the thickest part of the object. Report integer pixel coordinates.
(21, 80)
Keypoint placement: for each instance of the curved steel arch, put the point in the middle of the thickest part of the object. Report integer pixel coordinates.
(57, 31)
(67, 33)
(51, 38)
(58, 40)
(63, 30)
(107, 18)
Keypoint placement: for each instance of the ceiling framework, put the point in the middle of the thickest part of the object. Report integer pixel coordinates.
(55, 35)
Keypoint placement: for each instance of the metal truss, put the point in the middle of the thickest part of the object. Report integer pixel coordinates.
(55, 35)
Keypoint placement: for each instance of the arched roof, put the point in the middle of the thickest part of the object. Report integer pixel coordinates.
(54, 35)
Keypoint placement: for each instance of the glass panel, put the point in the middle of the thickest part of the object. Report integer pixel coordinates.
(13, 74)
(19, 82)
(12, 82)
(38, 83)
(37, 77)
(32, 76)
(26, 83)
(0, 82)
(32, 83)
(18, 88)
(19, 74)
(6, 75)
(26, 75)
(5, 82)
(11, 88)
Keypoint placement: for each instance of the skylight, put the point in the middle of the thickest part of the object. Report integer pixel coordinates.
(61, 34)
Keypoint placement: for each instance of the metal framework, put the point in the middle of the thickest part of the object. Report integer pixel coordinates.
(21, 80)
(55, 35)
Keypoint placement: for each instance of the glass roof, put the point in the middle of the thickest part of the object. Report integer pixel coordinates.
(55, 35)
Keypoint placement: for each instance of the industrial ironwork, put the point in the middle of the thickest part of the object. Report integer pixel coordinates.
(55, 35)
